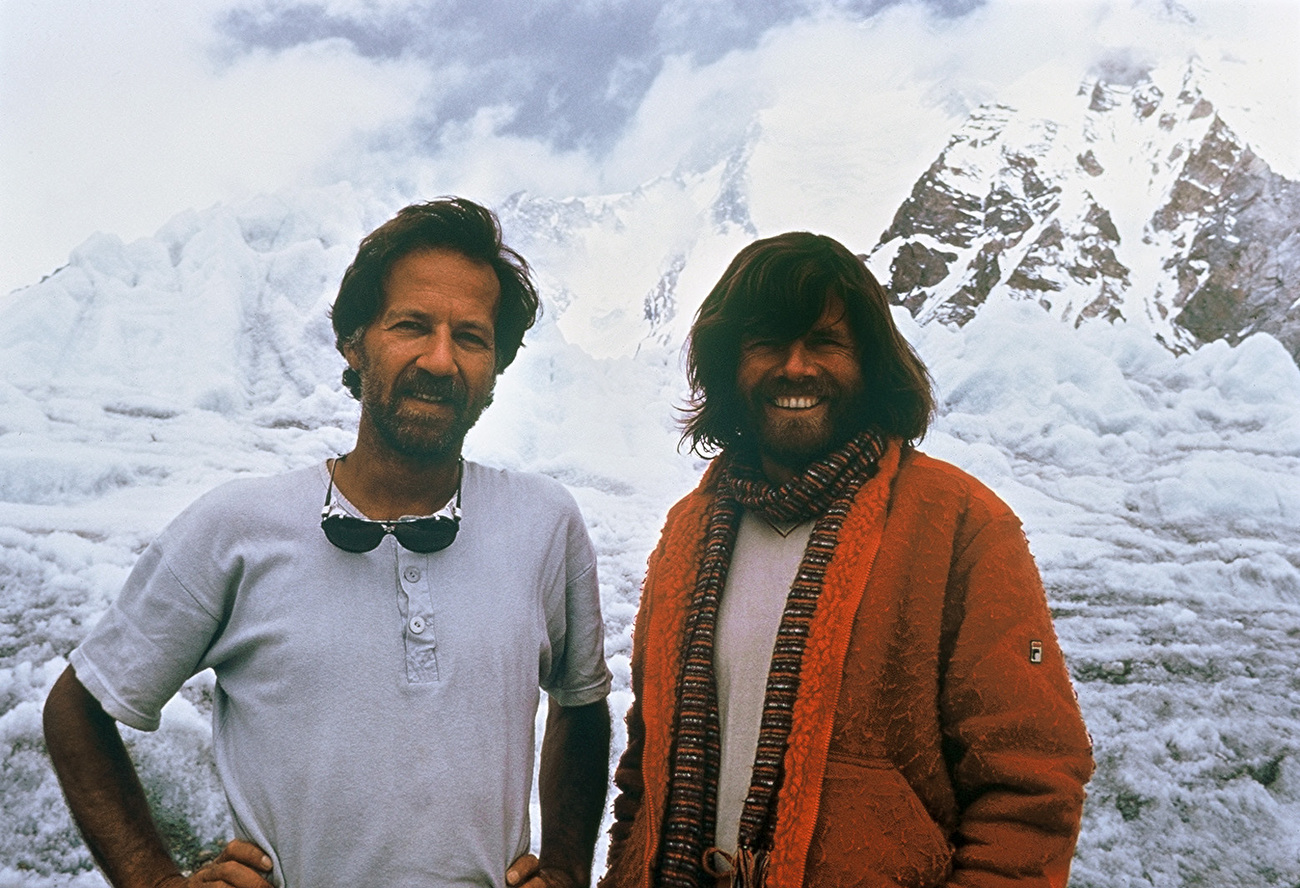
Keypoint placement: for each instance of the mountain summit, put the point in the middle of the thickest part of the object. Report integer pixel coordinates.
(1146, 206)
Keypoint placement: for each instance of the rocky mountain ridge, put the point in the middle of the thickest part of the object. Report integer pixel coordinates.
(1146, 207)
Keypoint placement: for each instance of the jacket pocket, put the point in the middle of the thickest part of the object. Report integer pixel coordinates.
(872, 830)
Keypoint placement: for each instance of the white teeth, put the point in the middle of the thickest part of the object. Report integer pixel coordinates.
(796, 403)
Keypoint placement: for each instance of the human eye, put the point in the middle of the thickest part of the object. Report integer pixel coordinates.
(829, 340)
(476, 339)
(406, 324)
(759, 343)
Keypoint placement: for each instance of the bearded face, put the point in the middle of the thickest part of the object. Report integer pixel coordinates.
(421, 416)
(428, 361)
(800, 395)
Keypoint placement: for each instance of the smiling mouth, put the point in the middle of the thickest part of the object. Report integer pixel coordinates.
(803, 402)
(431, 407)
(436, 394)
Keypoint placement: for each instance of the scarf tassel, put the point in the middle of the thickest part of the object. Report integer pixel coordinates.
(747, 867)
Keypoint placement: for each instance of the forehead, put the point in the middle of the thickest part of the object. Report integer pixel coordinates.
(789, 321)
(438, 280)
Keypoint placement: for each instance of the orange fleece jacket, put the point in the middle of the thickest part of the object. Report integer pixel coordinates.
(937, 740)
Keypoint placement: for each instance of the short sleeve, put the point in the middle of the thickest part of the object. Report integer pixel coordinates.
(579, 676)
(150, 640)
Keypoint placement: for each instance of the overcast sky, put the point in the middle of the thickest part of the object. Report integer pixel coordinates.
(117, 114)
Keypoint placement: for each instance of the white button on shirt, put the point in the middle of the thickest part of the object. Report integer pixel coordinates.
(417, 625)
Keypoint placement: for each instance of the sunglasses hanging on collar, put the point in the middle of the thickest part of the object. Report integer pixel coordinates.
(432, 533)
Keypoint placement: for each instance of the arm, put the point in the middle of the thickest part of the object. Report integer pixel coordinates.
(1018, 751)
(108, 802)
(572, 786)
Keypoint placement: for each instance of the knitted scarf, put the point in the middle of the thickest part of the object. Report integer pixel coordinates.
(823, 492)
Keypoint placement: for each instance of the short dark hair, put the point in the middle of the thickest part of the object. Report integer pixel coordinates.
(451, 223)
(780, 287)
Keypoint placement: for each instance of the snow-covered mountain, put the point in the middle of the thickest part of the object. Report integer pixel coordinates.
(1138, 202)
(1159, 484)
(631, 268)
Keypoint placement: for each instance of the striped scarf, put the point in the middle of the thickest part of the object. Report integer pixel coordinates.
(823, 492)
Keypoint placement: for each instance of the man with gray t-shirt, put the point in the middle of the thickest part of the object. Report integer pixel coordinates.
(377, 674)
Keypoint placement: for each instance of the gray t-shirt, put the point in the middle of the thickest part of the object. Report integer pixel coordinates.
(374, 713)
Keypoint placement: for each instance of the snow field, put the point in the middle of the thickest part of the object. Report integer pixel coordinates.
(1161, 497)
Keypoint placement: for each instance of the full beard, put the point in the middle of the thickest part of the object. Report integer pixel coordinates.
(796, 440)
(414, 434)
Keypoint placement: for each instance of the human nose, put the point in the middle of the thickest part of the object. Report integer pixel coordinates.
(796, 362)
(438, 356)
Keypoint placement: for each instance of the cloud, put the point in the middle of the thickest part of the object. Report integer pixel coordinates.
(570, 71)
(573, 72)
(558, 96)
(118, 115)
(1252, 50)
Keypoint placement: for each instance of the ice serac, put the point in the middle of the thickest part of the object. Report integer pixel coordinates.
(1139, 203)
(222, 309)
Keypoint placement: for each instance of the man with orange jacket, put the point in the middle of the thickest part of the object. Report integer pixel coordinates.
(844, 668)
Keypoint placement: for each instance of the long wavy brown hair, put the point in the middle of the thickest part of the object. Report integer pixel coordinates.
(779, 288)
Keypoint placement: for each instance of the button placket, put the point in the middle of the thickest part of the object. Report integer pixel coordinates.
(420, 643)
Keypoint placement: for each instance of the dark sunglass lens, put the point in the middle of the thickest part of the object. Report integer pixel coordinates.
(352, 534)
(426, 535)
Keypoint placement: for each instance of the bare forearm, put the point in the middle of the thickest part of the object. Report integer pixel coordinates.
(102, 788)
(572, 786)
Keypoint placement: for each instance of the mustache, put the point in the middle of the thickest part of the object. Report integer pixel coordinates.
(784, 388)
(422, 384)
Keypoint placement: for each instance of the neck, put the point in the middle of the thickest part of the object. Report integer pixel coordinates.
(778, 473)
(386, 485)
